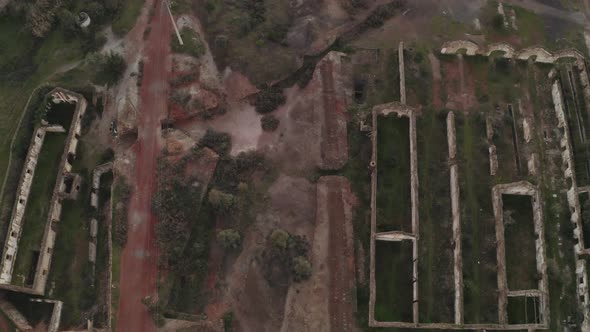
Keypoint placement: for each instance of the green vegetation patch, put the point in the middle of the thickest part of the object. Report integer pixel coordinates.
(436, 257)
(393, 177)
(37, 209)
(393, 281)
(477, 220)
(127, 16)
(519, 235)
(192, 43)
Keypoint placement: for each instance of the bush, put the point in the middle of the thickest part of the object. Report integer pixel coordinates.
(268, 100)
(220, 201)
(228, 321)
(269, 122)
(301, 268)
(113, 68)
(216, 141)
(229, 239)
(279, 239)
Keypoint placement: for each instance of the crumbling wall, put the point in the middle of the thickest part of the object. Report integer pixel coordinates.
(456, 218)
(402, 73)
(522, 188)
(573, 201)
(96, 174)
(20, 204)
(19, 320)
(539, 54)
(46, 248)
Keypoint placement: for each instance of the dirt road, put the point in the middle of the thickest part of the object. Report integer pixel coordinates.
(139, 258)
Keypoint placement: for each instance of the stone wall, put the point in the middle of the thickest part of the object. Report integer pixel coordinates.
(456, 218)
(573, 201)
(20, 204)
(54, 215)
(15, 316)
(522, 188)
(539, 54)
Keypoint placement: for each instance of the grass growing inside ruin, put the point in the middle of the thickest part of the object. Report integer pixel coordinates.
(70, 269)
(393, 281)
(519, 235)
(478, 230)
(578, 125)
(36, 213)
(436, 260)
(393, 167)
(127, 17)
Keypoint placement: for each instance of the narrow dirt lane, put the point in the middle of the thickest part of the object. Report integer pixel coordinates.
(139, 258)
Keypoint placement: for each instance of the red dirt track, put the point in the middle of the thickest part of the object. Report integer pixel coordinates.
(139, 258)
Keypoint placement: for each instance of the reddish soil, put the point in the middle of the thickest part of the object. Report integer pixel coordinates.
(334, 144)
(4, 323)
(459, 85)
(139, 258)
(341, 258)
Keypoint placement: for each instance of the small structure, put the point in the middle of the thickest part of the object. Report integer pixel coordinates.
(83, 20)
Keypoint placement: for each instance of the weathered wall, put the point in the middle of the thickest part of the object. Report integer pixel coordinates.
(526, 189)
(20, 204)
(46, 248)
(456, 218)
(538, 53)
(573, 201)
(19, 320)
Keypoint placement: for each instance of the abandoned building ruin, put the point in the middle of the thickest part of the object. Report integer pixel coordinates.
(538, 296)
(66, 186)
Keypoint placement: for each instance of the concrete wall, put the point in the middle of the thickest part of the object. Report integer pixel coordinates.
(540, 54)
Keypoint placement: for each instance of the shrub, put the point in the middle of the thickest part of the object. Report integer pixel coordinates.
(279, 239)
(269, 122)
(268, 100)
(218, 142)
(228, 321)
(220, 201)
(229, 239)
(301, 268)
(114, 66)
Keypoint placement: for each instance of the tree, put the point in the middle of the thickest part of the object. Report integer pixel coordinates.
(301, 268)
(114, 66)
(279, 239)
(229, 239)
(269, 122)
(221, 201)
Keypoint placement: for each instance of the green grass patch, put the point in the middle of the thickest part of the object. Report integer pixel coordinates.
(38, 204)
(477, 220)
(393, 281)
(393, 167)
(519, 234)
(192, 44)
(436, 257)
(127, 17)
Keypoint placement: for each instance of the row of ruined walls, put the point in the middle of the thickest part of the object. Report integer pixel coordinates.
(24, 187)
(65, 167)
(539, 54)
(23, 191)
(572, 199)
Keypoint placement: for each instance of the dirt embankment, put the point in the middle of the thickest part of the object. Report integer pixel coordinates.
(313, 129)
(327, 301)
